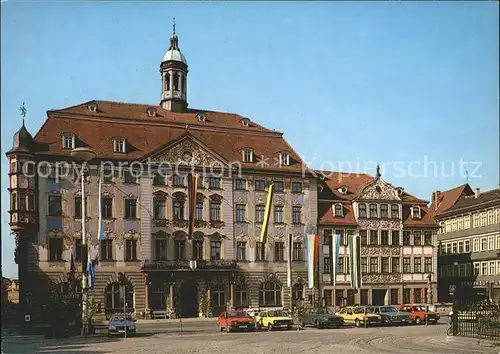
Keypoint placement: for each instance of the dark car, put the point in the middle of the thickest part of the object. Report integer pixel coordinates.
(119, 323)
(321, 317)
(391, 315)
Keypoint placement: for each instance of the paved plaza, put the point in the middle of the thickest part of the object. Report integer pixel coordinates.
(203, 338)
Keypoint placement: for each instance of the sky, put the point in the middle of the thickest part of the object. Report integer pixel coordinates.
(413, 86)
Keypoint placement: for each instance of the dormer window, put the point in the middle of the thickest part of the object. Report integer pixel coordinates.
(245, 122)
(92, 107)
(399, 190)
(151, 111)
(68, 141)
(119, 145)
(201, 117)
(284, 159)
(342, 190)
(415, 212)
(338, 210)
(247, 155)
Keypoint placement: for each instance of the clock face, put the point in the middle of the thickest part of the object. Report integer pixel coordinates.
(187, 156)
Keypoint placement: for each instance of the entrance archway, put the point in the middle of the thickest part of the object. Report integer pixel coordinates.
(378, 296)
(188, 300)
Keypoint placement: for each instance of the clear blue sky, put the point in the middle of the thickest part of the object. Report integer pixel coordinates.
(353, 81)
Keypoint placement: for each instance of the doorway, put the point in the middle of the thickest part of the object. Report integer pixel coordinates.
(188, 299)
(378, 296)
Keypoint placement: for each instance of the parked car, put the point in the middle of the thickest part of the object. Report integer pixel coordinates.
(274, 319)
(358, 315)
(419, 313)
(321, 317)
(235, 320)
(390, 315)
(118, 322)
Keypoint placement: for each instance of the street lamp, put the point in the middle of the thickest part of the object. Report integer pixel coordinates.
(83, 154)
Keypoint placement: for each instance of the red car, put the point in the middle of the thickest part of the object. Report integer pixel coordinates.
(234, 321)
(419, 313)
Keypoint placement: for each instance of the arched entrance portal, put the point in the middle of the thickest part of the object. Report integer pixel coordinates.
(188, 299)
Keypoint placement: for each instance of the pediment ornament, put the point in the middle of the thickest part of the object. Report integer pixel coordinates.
(188, 153)
(379, 190)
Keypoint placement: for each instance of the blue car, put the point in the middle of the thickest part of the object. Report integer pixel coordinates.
(119, 322)
(390, 315)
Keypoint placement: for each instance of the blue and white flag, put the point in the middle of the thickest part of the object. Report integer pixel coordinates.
(91, 269)
(100, 230)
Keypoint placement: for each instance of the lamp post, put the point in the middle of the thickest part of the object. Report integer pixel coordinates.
(83, 154)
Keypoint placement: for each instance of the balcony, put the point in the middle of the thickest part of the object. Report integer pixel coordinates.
(181, 265)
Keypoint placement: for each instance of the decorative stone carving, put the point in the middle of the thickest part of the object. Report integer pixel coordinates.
(364, 251)
(177, 155)
(106, 194)
(161, 234)
(279, 201)
(298, 237)
(131, 235)
(242, 237)
(395, 250)
(379, 190)
(379, 224)
(216, 224)
(279, 237)
(161, 223)
(179, 223)
(200, 223)
(216, 197)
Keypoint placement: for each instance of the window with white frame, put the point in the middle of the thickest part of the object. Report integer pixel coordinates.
(460, 223)
(338, 210)
(491, 217)
(415, 212)
(475, 245)
(484, 268)
(483, 244)
(467, 222)
(492, 269)
(498, 267)
(498, 242)
(460, 247)
(247, 155)
(119, 145)
(484, 218)
(477, 268)
(448, 226)
(476, 220)
(285, 159)
(491, 243)
(497, 216)
(68, 141)
(467, 246)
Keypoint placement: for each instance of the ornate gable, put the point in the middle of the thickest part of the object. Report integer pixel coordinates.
(187, 152)
(379, 190)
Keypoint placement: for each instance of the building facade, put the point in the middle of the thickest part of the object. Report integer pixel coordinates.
(397, 234)
(469, 242)
(144, 153)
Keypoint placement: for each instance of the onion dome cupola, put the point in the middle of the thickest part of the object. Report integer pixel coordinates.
(174, 70)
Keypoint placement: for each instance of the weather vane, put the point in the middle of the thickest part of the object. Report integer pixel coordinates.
(23, 111)
(466, 176)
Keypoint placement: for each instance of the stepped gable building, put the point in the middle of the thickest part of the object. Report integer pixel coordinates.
(398, 257)
(145, 216)
(469, 242)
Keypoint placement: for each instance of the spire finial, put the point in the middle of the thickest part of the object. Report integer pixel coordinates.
(174, 25)
(466, 176)
(174, 41)
(378, 175)
(23, 111)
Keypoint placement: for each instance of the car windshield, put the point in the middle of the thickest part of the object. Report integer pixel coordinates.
(275, 313)
(238, 314)
(120, 318)
(362, 310)
(388, 309)
(325, 311)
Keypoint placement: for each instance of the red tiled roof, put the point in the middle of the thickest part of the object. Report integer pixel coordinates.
(326, 217)
(442, 201)
(223, 134)
(426, 219)
(355, 182)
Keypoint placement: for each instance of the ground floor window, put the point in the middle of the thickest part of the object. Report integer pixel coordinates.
(114, 298)
(158, 299)
(339, 298)
(327, 295)
(364, 297)
(270, 294)
(406, 296)
(240, 295)
(417, 296)
(218, 295)
(394, 296)
(350, 297)
(297, 293)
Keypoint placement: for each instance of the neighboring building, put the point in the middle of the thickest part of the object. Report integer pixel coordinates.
(398, 256)
(469, 242)
(145, 217)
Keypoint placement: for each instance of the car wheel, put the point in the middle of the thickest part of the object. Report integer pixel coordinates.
(357, 322)
(269, 327)
(418, 320)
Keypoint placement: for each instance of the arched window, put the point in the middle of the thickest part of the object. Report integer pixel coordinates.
(218, 295)
(297, 293)
(240, 295)
(270, 294)
(177, 78)
(167, 81)
(114, 298)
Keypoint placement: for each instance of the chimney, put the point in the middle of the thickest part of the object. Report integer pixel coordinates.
(476, 193)
(435, 198)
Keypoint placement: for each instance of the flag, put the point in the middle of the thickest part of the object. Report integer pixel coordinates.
(312, 258)
(91, 270)
(289, 261)
(355, 261)
(334, 256)
(192, 191)
(100, 228)
(267, 212)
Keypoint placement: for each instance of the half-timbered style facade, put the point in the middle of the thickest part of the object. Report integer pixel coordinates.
(398, 257)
